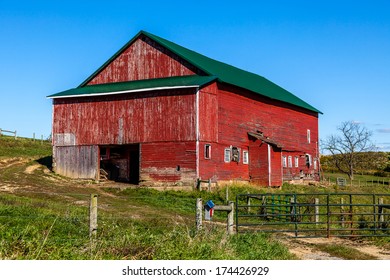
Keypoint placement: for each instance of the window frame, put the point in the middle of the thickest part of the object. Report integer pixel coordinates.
(296, 161)
(284, 161)
(289, 161)
(207, 151)
(245, 157)
(229, 151)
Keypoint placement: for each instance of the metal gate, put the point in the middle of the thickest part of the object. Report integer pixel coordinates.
(315, 215)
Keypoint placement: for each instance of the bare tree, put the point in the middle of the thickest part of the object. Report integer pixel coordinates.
(353, 138)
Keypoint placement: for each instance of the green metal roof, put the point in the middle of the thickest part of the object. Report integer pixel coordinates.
(224, 72)
(139, 85)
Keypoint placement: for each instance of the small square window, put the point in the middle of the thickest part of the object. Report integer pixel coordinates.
(207, 151)
(227, 155)
(245, 157)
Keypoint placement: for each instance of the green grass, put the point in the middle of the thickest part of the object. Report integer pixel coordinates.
(23, 147)
(38, 228)
(344, 252)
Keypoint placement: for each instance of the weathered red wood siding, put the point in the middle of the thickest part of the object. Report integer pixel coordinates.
(258, 163)
(168, 162)
(158, 116)
(144, 59)
(240, 111)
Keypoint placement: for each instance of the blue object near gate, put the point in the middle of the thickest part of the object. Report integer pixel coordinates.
(210, 204)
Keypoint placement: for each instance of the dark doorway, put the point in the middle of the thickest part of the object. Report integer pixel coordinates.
(120, 163)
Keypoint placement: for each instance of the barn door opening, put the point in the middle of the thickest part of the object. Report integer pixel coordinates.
(120, 163)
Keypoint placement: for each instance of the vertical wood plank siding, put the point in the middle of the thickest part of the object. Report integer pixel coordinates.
(239, 112)
(76, 161)
(144, 59)
(164, 124)
(128, 118)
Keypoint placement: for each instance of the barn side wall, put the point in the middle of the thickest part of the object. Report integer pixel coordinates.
(156, 116)
(168, 163)
(240, 112)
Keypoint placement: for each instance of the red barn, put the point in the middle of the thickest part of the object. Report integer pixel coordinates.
(157, 112)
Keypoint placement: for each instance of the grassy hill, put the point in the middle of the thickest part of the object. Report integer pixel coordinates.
(46, 216)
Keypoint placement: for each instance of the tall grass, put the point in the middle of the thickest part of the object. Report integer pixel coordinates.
(35, 228)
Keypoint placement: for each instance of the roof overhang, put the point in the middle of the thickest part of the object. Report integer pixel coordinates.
(265, 139)
(170, 83)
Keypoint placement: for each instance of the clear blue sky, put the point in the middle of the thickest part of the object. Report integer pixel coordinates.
(333, 54)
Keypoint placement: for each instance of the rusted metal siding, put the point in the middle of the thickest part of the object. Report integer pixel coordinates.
(157, 116)
(168, 162)
(144, 59)
(79, 162)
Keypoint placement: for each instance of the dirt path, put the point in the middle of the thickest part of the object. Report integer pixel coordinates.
(306, 248)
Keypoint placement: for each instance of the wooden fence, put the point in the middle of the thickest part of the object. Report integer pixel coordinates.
(2, 131)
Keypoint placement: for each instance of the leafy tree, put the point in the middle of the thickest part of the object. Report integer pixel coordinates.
(352, 139)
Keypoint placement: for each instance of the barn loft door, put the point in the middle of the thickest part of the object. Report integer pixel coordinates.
(120, 163)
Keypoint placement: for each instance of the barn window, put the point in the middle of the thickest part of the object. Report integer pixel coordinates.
(207, 151)
(289, 161)
(308, 136)
(315, 164)
(245, 157)
(296, 161)
(235, 154)
(284, 161)
(308, 160)
(227, 155)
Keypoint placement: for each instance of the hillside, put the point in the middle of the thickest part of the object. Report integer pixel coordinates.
(46, 216)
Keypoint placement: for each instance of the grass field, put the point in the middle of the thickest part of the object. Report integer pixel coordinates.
(46, 216)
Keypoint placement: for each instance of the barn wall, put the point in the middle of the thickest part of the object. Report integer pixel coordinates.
(240, 112)
(208, 113)
(144, 59)
(171, 162)
(124, 119)
(80, 162)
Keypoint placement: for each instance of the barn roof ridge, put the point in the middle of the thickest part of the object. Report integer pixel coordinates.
(136, 86)
(224, 72)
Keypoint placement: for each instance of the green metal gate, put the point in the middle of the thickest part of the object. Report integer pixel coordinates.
(315, 215)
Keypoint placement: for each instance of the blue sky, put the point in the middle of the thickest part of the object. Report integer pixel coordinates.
(333, 54)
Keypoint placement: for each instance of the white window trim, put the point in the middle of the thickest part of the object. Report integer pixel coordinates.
(289, 161)
(245, 157)
(296, 161)
(230, 155)
(308, 136)
(284, 161)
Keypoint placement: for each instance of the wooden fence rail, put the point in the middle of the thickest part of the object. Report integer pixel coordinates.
(2, 131)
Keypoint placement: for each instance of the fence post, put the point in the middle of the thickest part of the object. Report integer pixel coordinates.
(230, 219)
(199, 206)
(380, 211)
(93, 216)
(342, 212)
(317, 210)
